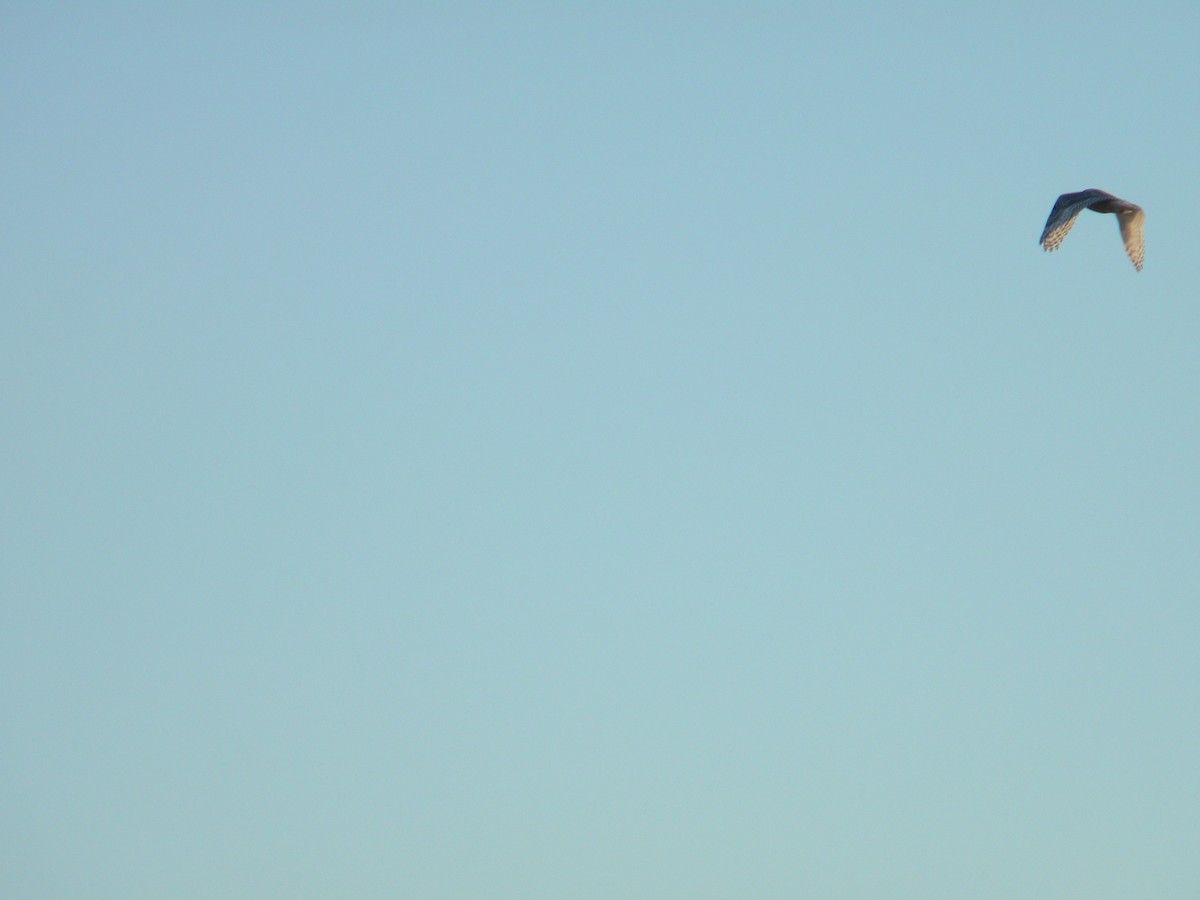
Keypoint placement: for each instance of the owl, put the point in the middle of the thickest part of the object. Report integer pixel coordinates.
(1067, 208)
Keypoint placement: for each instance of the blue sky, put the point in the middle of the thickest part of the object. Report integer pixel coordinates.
(575, 450)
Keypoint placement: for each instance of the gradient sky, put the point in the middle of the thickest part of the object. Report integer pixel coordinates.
(597, 451)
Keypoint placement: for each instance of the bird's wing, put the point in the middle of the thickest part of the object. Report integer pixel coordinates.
(1066, 209)
(1131, 233)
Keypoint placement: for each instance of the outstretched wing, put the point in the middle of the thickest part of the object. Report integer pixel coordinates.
(1066, 210)
(1131, 233)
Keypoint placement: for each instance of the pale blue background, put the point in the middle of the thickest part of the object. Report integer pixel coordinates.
(597, 451)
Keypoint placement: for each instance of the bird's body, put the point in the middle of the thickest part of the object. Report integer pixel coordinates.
(1130, 219)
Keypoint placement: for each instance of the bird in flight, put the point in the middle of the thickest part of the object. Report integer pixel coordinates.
(1067, 208)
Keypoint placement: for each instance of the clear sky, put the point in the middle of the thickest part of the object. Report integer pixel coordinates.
(597, 451)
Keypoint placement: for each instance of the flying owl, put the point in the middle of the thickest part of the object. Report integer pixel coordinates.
(1068, 207)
